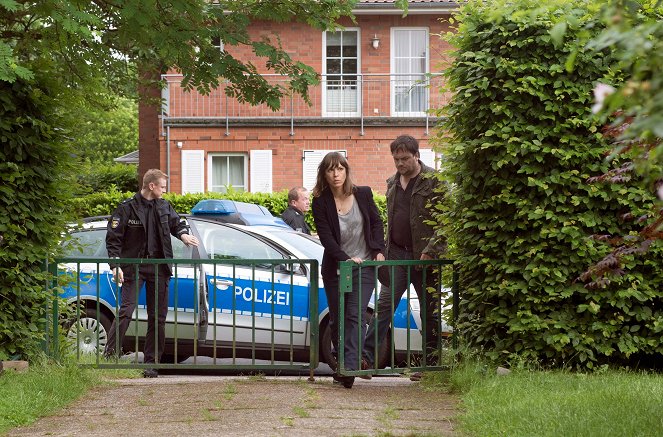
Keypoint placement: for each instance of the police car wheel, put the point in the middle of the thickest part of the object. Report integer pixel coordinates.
(88, 334)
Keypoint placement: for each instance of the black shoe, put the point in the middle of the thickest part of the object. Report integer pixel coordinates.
(150, 373)
(347, 381)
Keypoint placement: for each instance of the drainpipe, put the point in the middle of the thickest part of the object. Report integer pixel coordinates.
(168, 157)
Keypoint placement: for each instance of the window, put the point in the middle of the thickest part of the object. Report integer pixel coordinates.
(86, 244)
(227, 171)
(341, 69)
(216, 42)
(409, 65)
(222, 242)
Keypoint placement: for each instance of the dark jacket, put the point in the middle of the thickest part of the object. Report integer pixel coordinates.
(423, 235)
(126, 232)
(295, 220)
(329, 229)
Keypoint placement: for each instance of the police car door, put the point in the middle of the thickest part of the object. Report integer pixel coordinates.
(251, 305)
(186, 309)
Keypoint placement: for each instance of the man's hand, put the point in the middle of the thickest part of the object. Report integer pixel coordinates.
(189, 240)
(118, 276)
(379, 257)
(425, 257)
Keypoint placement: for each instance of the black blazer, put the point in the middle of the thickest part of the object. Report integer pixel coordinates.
(329, 230)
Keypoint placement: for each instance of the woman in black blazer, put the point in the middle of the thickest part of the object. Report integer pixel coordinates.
(350, 229)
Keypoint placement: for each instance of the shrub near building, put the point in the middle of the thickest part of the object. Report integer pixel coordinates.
(520, 143)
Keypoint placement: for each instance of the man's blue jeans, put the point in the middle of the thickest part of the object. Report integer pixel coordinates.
(383, 317)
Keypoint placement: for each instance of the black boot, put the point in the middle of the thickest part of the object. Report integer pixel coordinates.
(347, 381)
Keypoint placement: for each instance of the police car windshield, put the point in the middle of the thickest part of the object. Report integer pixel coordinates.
(309, 246)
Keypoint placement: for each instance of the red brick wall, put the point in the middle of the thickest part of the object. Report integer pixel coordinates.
(368, 155)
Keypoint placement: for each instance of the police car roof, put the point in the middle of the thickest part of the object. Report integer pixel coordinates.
(231, 211)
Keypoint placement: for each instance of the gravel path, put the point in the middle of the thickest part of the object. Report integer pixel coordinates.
(174, 405)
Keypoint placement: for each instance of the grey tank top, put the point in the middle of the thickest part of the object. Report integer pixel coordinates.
(352, 233)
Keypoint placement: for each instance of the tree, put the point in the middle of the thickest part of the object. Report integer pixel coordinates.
(102, 134)
(57, 55)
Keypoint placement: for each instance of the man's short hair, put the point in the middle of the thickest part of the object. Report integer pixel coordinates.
(153, 175)
(407, 143)
(293, 194)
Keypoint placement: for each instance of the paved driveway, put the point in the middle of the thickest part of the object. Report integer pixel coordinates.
(174, 405)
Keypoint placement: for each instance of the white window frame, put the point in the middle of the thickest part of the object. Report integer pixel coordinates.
(210, 173)
(395, 79)
(325, 112)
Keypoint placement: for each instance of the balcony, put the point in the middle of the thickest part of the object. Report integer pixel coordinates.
(358, 100)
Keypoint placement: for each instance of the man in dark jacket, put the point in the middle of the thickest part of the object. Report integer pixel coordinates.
(140, 227)
(410, 236)
(298, 206)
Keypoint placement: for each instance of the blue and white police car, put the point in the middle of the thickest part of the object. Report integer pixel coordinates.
(222, 308)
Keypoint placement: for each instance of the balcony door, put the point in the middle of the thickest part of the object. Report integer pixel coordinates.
(409, 65)
(341, 65)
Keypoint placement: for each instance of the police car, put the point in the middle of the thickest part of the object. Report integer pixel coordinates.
(221, 309)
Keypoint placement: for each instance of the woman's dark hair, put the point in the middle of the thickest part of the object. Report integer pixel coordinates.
(332, 160)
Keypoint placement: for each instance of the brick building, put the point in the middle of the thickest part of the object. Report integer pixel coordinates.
(378, 81)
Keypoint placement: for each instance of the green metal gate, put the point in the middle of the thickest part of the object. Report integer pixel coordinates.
(226, 314)
(267, 311)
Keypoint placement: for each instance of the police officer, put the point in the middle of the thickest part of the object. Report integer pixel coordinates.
(298, 206)
(140, 227)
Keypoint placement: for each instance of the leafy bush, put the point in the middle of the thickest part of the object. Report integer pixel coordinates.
(33, 186)
(520, 143)
(98, 177)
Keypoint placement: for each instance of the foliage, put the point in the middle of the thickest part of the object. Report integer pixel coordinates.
(33, 191)
(635, 112)
(98, 204)
(100, 176)
(100, 43)
(520, 144)
(634, 32)
(106, 130)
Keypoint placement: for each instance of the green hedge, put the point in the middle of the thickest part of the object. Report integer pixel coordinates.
(34, 164)
(104, 203)
(520, 143)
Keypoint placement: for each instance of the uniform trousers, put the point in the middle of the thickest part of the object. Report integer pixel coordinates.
(152, 350)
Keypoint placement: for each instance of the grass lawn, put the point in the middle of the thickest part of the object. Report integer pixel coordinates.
(557, 403)
(26, 396)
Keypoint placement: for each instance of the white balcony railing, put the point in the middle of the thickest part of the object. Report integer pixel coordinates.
(356, 99)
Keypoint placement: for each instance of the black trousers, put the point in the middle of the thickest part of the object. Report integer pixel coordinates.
(427, 301)
(156, 288)
(355, 305)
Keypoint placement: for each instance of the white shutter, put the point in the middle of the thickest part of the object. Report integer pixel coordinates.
(312, 159)
(193, 171)
(260, 162)
(427, 156)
